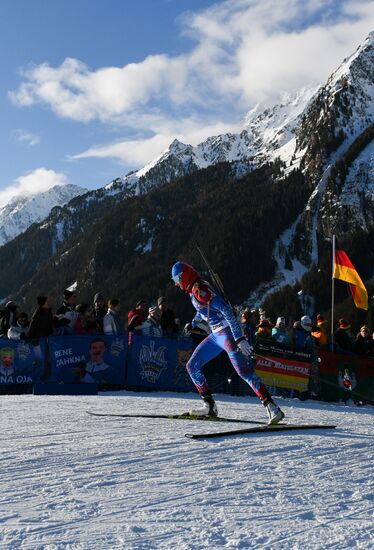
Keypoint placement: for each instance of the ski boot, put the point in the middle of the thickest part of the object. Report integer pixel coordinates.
(274, 412)
(208, 409)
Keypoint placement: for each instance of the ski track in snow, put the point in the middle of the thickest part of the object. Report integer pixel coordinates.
(73, 481)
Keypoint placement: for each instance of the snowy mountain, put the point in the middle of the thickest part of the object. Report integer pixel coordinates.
(336, 134)
(334, 145)
(22, 211)
(317, 146)
(267, 133)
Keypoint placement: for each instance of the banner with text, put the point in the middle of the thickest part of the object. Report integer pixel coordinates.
(159, 363)
(283, 373)
(20, 362)
(88, 359)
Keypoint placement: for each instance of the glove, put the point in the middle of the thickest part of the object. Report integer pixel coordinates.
(245, 348)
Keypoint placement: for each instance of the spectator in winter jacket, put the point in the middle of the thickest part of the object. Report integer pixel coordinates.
(66, 314)
(319, 333)
(249, 324)
(279, 333)
(303, 334)
(85, 323)
(41, 324)
(151, 326)
(168, 324)
(363, 344)
(137, 316)
(20, 331)
(343, 337)
(264, 329)
(69, 303)
(112, 321)
(8, 318)
(99, 310)
(293, 333)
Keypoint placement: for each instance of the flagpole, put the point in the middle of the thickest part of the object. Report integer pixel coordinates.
(332, 290)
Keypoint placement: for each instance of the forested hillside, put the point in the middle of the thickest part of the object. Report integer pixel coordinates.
(128, 252)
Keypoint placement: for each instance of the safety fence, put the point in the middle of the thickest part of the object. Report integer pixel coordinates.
(143, 363)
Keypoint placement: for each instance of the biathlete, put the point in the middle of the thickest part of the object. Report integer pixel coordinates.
(226, 335)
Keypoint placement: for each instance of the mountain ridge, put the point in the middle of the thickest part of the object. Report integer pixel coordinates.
(25, 209)
(322, 139)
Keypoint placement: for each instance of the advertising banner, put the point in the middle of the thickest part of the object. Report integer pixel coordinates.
(159, 363)
(283, 373)
(266, 347)
(88, 359)
(344, 377)
(21, 362)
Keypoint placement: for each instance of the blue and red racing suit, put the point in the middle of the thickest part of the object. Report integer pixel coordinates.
(212, 308)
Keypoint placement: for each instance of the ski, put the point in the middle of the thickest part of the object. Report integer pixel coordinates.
(261, 429)
(184, 416)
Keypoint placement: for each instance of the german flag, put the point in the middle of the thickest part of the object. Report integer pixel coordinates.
(345, 271)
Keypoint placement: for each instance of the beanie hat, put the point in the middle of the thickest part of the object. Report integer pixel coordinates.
(343, 323)
(281, 321)
(11, 305)
(41, 300)
(98, 296)
(139, 303)
(161, 300)
(68, 294)
(306, 323)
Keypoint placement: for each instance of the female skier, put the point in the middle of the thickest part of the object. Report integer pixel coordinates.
(226, 335)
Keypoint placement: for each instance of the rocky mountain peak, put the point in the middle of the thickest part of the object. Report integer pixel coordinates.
(23, 210)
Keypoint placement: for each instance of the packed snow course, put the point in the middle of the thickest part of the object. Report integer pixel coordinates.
(74, 481)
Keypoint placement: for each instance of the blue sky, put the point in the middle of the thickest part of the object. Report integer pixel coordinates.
(91, 89)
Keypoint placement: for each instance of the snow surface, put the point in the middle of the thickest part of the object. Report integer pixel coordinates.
(73, 481)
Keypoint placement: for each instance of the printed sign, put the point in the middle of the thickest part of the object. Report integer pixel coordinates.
(98, 359)
(20, 362)
(159, 363)
(283, 373)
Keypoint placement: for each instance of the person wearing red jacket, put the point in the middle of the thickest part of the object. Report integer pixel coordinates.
(137, 316)
(227, 335)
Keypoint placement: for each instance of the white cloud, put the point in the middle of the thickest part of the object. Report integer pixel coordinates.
(139, 151)
(36, 181)
(26, 138)
(132, 152)
(245, 51)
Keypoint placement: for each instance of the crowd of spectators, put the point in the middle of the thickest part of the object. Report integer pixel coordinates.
(159, 320)
(307, 334)
(100, 317)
